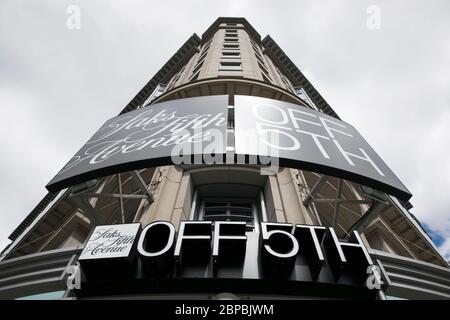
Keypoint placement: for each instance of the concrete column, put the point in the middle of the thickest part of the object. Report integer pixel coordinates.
(165, 198)
(183, 202)
(290, 197)
(274, 206)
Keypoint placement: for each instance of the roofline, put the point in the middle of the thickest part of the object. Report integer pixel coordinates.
(418, 226)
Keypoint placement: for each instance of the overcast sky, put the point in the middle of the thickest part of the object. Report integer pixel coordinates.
(57, 86)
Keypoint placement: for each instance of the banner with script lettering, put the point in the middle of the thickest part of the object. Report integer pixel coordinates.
(165, 133)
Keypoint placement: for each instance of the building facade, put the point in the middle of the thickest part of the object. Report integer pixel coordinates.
(231, 61)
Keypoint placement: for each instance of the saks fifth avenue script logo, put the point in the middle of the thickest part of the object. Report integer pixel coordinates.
(145, 131)
(110, 241)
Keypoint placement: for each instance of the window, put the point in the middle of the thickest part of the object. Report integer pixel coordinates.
(301, 93)
(227, 210)
(264, 72)
(231, 35)
(194, 76)
(254, 45)
(231, 46)
(260, 59)
(263, 68)
(231, 54)
(231, 39)
(200, 59)
(197, 67)
(258, 55)
(208, 43)
(230, 66)
(159, 90)
(204, 50)
(173, 81)
(229, 202)
(266, 78)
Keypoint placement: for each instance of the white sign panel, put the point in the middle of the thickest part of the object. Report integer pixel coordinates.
(110, 241)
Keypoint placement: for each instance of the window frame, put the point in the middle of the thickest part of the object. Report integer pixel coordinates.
(251, 225)
(230, 66)
(258, 206)
(231, 54)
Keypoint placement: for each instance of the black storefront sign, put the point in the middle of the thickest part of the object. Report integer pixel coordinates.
(149, 137)
(307, 139)
(205, 257)
(196, 128)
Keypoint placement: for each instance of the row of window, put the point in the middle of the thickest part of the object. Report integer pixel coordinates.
(201, 59)
(285, 80)
(298, 91)
(175, 79)
(261, 63)
(159, 90)
(231, 61)
(231, 54)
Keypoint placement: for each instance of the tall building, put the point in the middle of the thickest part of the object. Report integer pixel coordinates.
(173, 220)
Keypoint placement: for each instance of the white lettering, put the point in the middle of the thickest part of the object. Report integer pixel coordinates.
(330, 129)
(365, 157)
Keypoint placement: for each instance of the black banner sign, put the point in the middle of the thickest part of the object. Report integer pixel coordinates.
(194, 131)
(149, 136)
(306, 139)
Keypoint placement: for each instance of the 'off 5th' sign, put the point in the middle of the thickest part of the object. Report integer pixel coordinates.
(223, 249)
(306, 139)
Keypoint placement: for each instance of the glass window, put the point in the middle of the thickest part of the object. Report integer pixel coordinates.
(231, 54)
(266, 78)
(227, 210)
(259, 58)
(301, 93)
(231, 45)
(231, 35)
(194, 76)
(197, 67)
(263, 68)
(227, 39)
(228, 202)
(230, 65)
(159, 90)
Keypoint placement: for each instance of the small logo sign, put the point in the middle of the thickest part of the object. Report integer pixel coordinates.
(110, 241)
